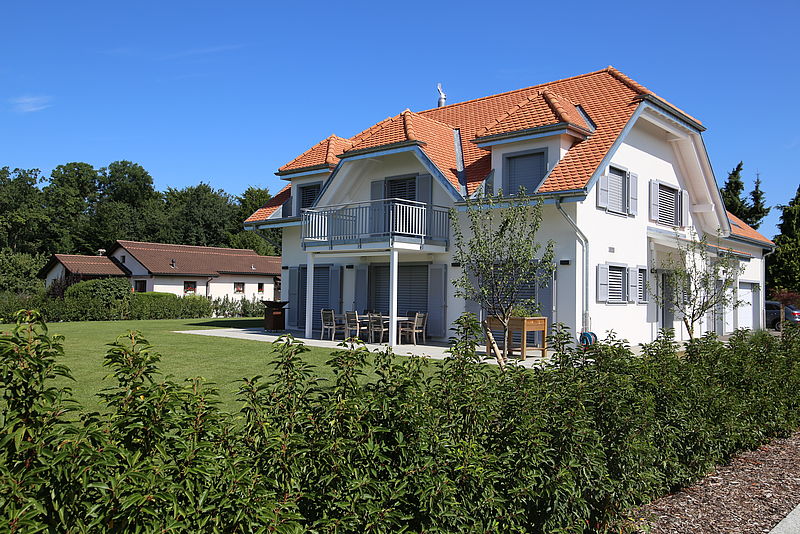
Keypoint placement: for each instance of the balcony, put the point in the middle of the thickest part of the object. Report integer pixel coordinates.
(377, 224)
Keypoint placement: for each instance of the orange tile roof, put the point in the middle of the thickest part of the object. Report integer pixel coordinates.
(272, 205)
(323, 154)
(740, 228)
(607, 96)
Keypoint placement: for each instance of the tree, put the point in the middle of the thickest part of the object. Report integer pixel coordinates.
(128, 183)
(19, 272)
(200, 215)
(758, 208)
(783, 266)
(732, 193)
(750, 211)
(500, 256)
(23, 218)
(252, 200)
(69, 199)
(250, 239)
(702, 278)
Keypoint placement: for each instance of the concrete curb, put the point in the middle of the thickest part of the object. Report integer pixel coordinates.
(790, 523)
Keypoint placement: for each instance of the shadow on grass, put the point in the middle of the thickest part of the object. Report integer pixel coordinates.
(229, 323)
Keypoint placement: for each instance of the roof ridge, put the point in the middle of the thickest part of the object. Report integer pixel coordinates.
(366, 133)
(516, 90)
(188, 246)
(408, 127)
(529, 99)
(627, 80)
(553, 100)
(303, 154)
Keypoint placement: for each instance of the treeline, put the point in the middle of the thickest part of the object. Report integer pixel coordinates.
(79, 209)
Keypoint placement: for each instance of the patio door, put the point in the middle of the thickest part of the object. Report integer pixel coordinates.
(412, 289)
(327, 292)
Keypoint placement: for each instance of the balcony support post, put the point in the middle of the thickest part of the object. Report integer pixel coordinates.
(393, 269)
(310, 296)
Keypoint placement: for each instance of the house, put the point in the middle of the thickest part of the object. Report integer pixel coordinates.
(180, 269)
(620, 170)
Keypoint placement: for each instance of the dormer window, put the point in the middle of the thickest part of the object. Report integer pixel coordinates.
(307, 195)
(524, 170)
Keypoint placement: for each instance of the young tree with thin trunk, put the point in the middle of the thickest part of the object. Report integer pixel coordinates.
(702, 277)
(500, 256)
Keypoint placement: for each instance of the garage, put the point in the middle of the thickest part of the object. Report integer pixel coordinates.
(747, 314)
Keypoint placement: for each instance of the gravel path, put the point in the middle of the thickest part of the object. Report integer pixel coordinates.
(749, 496)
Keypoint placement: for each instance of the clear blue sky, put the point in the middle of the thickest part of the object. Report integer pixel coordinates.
(226, 92)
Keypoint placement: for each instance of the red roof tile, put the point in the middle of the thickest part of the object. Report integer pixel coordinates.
(607, 96)
(272, 205)
(740, 228)
(89, 265)
(200, 261)
(323, 154)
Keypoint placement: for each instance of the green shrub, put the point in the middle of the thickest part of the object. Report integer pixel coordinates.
(107, 289)
(194, 307)
(385, 446)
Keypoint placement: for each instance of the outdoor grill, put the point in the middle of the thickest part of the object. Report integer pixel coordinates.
(274, 314)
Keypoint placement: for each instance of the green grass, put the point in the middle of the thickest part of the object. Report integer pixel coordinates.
(217, 359)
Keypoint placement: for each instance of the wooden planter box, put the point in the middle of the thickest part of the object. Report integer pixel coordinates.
(523, 325)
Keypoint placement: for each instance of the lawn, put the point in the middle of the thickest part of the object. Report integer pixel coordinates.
(218, 359)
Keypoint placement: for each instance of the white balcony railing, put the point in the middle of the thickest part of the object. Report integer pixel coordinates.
(375, 220)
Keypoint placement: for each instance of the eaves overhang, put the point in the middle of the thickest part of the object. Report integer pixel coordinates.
(754, 242)
(272, 223)
(380, 148)
(533, 133)
(313, 169)
(657, 102)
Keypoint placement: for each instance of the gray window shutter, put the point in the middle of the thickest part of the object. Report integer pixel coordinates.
(361, 290)
(641, 294)
(437, 300)
(424, 188)
(633, 283)
(684, 208)
(602, 283)
(377, 219)
(633, 193)
(602, 192)
(335, 292)
(294, 295)
(653, 200)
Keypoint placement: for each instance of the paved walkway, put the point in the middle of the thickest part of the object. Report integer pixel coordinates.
(790, 524)
(437, 351)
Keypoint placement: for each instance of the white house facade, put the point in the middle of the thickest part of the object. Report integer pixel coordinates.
(178, 269)
(622, 173)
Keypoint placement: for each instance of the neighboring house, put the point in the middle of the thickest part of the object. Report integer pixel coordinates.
(619, 169)
(184, 270)
(76, 268)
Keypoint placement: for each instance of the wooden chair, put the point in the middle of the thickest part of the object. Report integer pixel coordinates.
(377, 325)
(412, 328)
(353, 324)
(425, 327)
(329, 323)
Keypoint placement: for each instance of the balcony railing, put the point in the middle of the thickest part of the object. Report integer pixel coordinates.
(377, 220)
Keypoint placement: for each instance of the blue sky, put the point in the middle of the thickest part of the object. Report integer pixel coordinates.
(226, 92)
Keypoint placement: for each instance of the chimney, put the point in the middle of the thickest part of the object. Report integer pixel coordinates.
(442, 96)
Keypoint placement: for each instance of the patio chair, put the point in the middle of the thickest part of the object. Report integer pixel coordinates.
(353, 324)
(377, 325)
(425, 327)
(329, 323)
(412, 328)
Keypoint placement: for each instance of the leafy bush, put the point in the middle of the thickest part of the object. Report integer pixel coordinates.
(386, 446)
(106, 289)
(237, 307)
(19, 272)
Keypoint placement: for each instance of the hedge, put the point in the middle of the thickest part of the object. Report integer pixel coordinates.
(386, 446)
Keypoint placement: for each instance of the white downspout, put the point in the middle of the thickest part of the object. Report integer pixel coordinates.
(585, 319)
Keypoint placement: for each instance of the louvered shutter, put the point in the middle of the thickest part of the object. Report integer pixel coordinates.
(633, 284)
(294, 295)
(525, 171)
(437, 300)
(602, 283)
(377, 213)
(412, 288)
(308, 195)
(633, 193)
(424, 189)
(684, 209)
(335, 292)
(641, 294)
(361, 300)
(616, 284)
(653, 200)
(617, 201)
(403, 188)
(668, 205)
(602, 192)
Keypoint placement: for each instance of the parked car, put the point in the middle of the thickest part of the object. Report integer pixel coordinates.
(773, 311)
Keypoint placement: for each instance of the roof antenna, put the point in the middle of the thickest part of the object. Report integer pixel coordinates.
(442, 95)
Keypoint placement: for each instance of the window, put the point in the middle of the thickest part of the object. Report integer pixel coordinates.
(524, 170)
(260, 287)
(308, 195)
(616, 284)
(405, 188)
(617, 192)
(139, 286)
(642, 285)
(238, 287)
(668, 205)
(190, 288)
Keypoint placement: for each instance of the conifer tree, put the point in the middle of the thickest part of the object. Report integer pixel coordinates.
(783, 266)
(732, 193)
(758, 208)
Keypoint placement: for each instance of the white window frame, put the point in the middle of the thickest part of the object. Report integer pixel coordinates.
(629, 193)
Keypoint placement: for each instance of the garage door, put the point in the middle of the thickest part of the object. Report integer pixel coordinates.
(744, 313)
